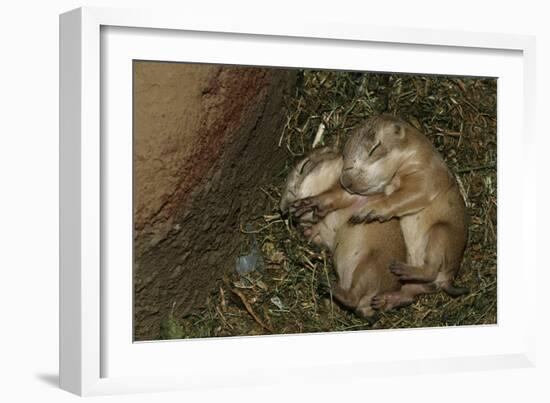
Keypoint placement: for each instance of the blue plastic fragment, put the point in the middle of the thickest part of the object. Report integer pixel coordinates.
(254, 260)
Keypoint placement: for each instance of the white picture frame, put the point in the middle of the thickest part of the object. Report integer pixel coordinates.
(97, 357)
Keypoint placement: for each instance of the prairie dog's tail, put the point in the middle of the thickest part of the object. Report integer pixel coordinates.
(453, 291)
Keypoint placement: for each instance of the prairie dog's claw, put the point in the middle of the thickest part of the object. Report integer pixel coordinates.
(356, 219)
(378, 302)
(302, 211)
(371, 217)
(301, 203)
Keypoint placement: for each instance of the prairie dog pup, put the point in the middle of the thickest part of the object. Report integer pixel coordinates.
(361, 253)
(393, 160)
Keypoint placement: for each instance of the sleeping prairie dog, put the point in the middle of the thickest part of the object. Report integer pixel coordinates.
(407, 178)
(361, 253)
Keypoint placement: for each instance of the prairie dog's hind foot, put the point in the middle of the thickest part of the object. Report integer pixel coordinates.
(366, 311)
(390, 300)
(405, 296)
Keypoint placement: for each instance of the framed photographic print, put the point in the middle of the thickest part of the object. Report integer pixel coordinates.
(257, 195)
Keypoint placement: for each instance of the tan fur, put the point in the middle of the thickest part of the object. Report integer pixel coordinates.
(362, 253)
(396, 164)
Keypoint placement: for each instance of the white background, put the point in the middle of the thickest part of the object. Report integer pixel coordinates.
(121, 46)
(28, 169)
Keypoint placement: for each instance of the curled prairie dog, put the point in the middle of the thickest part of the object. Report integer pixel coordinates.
(361, 253)
(407, 178)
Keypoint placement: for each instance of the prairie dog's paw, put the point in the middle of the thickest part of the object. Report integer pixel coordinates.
(378, 302)
(357, 219)
(368, 217)
(375, 216)
(308, 217)
(315, 204)
(388, 300)
(401, 270)
(301, 208)
(301, 203)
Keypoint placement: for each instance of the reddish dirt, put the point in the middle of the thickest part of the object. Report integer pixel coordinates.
(200, 134)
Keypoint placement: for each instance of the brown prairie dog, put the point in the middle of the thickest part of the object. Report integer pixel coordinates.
(396, 163)
(361, 253)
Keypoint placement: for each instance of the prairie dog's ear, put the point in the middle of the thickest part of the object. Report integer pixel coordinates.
(397, 130)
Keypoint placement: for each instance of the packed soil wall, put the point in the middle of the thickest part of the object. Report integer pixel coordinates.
(205, 141)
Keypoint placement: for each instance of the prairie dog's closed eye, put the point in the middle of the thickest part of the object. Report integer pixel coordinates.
(374, 147)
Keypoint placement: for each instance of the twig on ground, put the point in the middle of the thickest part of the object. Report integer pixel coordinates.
(251, 311)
